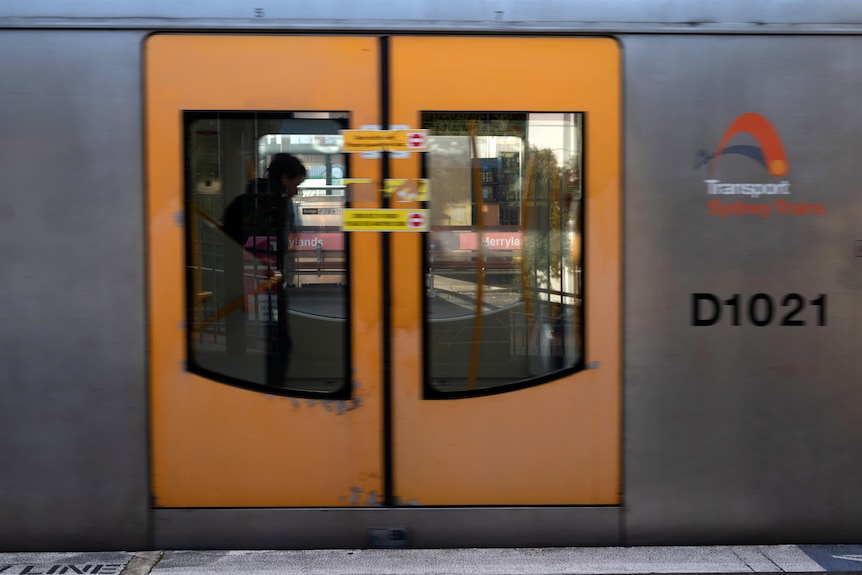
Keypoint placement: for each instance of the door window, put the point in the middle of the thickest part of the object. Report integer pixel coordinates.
(266, 264)
(503, 269)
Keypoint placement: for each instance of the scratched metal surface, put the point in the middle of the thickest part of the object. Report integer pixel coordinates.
(72, 345)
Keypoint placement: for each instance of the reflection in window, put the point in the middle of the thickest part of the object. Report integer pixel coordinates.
(503, 283)
(266, 265)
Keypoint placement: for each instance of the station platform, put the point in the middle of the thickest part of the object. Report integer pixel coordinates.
(527, 561)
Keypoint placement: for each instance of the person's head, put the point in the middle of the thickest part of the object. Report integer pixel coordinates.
(286, 172)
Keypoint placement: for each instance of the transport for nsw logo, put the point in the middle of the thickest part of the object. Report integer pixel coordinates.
(768, 151)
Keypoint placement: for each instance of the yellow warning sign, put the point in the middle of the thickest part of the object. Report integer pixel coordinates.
(409, 140)
(417, 190)
(391, 220)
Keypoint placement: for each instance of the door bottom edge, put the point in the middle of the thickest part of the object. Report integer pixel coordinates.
(360, 528)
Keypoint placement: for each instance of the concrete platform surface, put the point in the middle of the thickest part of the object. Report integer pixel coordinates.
(545, 561)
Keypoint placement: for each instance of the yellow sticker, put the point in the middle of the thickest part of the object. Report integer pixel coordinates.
(409, 140)
(385, 220)
(416, 190)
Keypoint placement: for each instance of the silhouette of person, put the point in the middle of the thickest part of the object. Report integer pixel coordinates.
(253, 220)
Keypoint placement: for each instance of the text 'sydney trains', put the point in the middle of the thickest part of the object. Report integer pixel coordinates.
(445, 274)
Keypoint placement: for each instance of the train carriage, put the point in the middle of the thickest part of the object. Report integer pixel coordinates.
(559, 273)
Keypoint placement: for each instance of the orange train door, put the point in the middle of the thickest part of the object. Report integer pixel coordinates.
(525, 407)
(475, 363)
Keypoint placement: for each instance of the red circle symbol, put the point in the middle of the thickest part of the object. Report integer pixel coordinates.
(415, 220)
(415, 140)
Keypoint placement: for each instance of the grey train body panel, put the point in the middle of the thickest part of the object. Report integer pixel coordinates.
(499, 16)
(72, 346)
(431, 527)
(748, 432)
(731, 433)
